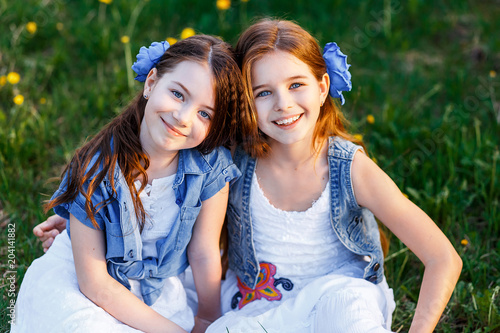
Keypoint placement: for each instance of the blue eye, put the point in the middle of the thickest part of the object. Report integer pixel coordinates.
(177, 94)
(295, 85)
(263, 93)
(205, 115)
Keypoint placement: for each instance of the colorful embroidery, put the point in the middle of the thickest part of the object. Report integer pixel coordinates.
(265, 288)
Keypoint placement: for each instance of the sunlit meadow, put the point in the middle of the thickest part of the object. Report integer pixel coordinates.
(425, 100)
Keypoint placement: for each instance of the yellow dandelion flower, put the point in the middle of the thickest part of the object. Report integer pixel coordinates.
(187, 32)
(31, 27)
(358, 137)
(3, 80)
(405, 195)
(43, 100)
(59, 26)
(18, 99)
(370, 119)
(464, 242)
(125, 39)
(171, 40)
(493, 74)
(223, 4)
(107, 2)
(13, 77)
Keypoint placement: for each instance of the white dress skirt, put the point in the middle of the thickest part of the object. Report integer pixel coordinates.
(309, 281)
(50, 300)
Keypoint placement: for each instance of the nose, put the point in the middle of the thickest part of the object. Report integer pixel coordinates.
(283, 100)
(183, 116)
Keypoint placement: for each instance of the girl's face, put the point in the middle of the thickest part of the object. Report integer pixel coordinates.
(179, 110)
(287, 97)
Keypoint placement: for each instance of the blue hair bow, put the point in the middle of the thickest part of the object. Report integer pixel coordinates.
(338, 70)
(147, 58)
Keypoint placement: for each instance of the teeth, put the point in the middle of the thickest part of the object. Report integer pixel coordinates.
(287, 121)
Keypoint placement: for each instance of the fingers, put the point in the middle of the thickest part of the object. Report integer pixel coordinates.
(53, 223)
(56, 222)
(47, 243)
(37, 230)
(41, 228)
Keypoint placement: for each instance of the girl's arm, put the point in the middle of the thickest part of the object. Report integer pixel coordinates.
(205, 259)
(94, 281)
(377, 192)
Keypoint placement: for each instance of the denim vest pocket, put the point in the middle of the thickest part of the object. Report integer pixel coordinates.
(357, 231)
(113, 229)
(114, 240)
(188, 218)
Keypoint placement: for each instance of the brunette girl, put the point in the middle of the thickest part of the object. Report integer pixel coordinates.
(146, 194)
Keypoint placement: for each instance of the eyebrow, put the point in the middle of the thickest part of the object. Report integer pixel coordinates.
(189, 94)
(183, 87)
(288, 79)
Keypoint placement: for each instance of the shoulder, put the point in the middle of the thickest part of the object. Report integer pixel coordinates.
(341, 148)
(241, 157)
(194, 162)
(219, 155)
(215, 168)
(93, 166)
(370, 182)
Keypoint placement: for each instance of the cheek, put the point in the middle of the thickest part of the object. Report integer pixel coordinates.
(261, 110)
(202, 131)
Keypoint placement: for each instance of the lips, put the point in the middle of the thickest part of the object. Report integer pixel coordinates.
(171, 129)
(287, 121)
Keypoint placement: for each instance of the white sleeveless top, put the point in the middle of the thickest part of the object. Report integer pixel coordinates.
(302, 245)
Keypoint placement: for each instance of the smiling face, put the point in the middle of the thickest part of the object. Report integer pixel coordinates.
(179, 109)
(287, 97)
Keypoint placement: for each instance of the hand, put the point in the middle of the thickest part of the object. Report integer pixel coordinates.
(200, 325)
(48, 230)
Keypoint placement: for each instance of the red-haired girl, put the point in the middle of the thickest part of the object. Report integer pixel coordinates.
(304, 248)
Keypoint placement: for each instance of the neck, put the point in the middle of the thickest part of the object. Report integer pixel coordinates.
(162, 166)
(294, 155)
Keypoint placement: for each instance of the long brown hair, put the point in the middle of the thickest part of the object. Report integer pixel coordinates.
(269, 35)
(119, 142)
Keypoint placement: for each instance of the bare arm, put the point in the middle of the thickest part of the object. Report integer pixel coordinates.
(377, 192)
(205, 260)
(94, 281)
(48, 230)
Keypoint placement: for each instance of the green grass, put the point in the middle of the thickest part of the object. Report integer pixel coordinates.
(424, 70)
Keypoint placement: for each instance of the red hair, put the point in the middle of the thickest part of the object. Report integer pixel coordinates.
(269, 35)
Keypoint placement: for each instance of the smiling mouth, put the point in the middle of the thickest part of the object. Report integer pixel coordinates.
(288, 121)
(172, 129)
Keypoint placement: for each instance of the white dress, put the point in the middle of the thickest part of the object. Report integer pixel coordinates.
(49, 299)
(309, 281)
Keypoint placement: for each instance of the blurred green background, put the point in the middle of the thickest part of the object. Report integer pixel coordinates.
(425, 99)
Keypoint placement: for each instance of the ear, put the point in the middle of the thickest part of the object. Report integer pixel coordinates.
(151, 80)
(324, 87)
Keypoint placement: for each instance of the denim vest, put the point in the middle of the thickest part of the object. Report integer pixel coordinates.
(355, 226)
(198, 178)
